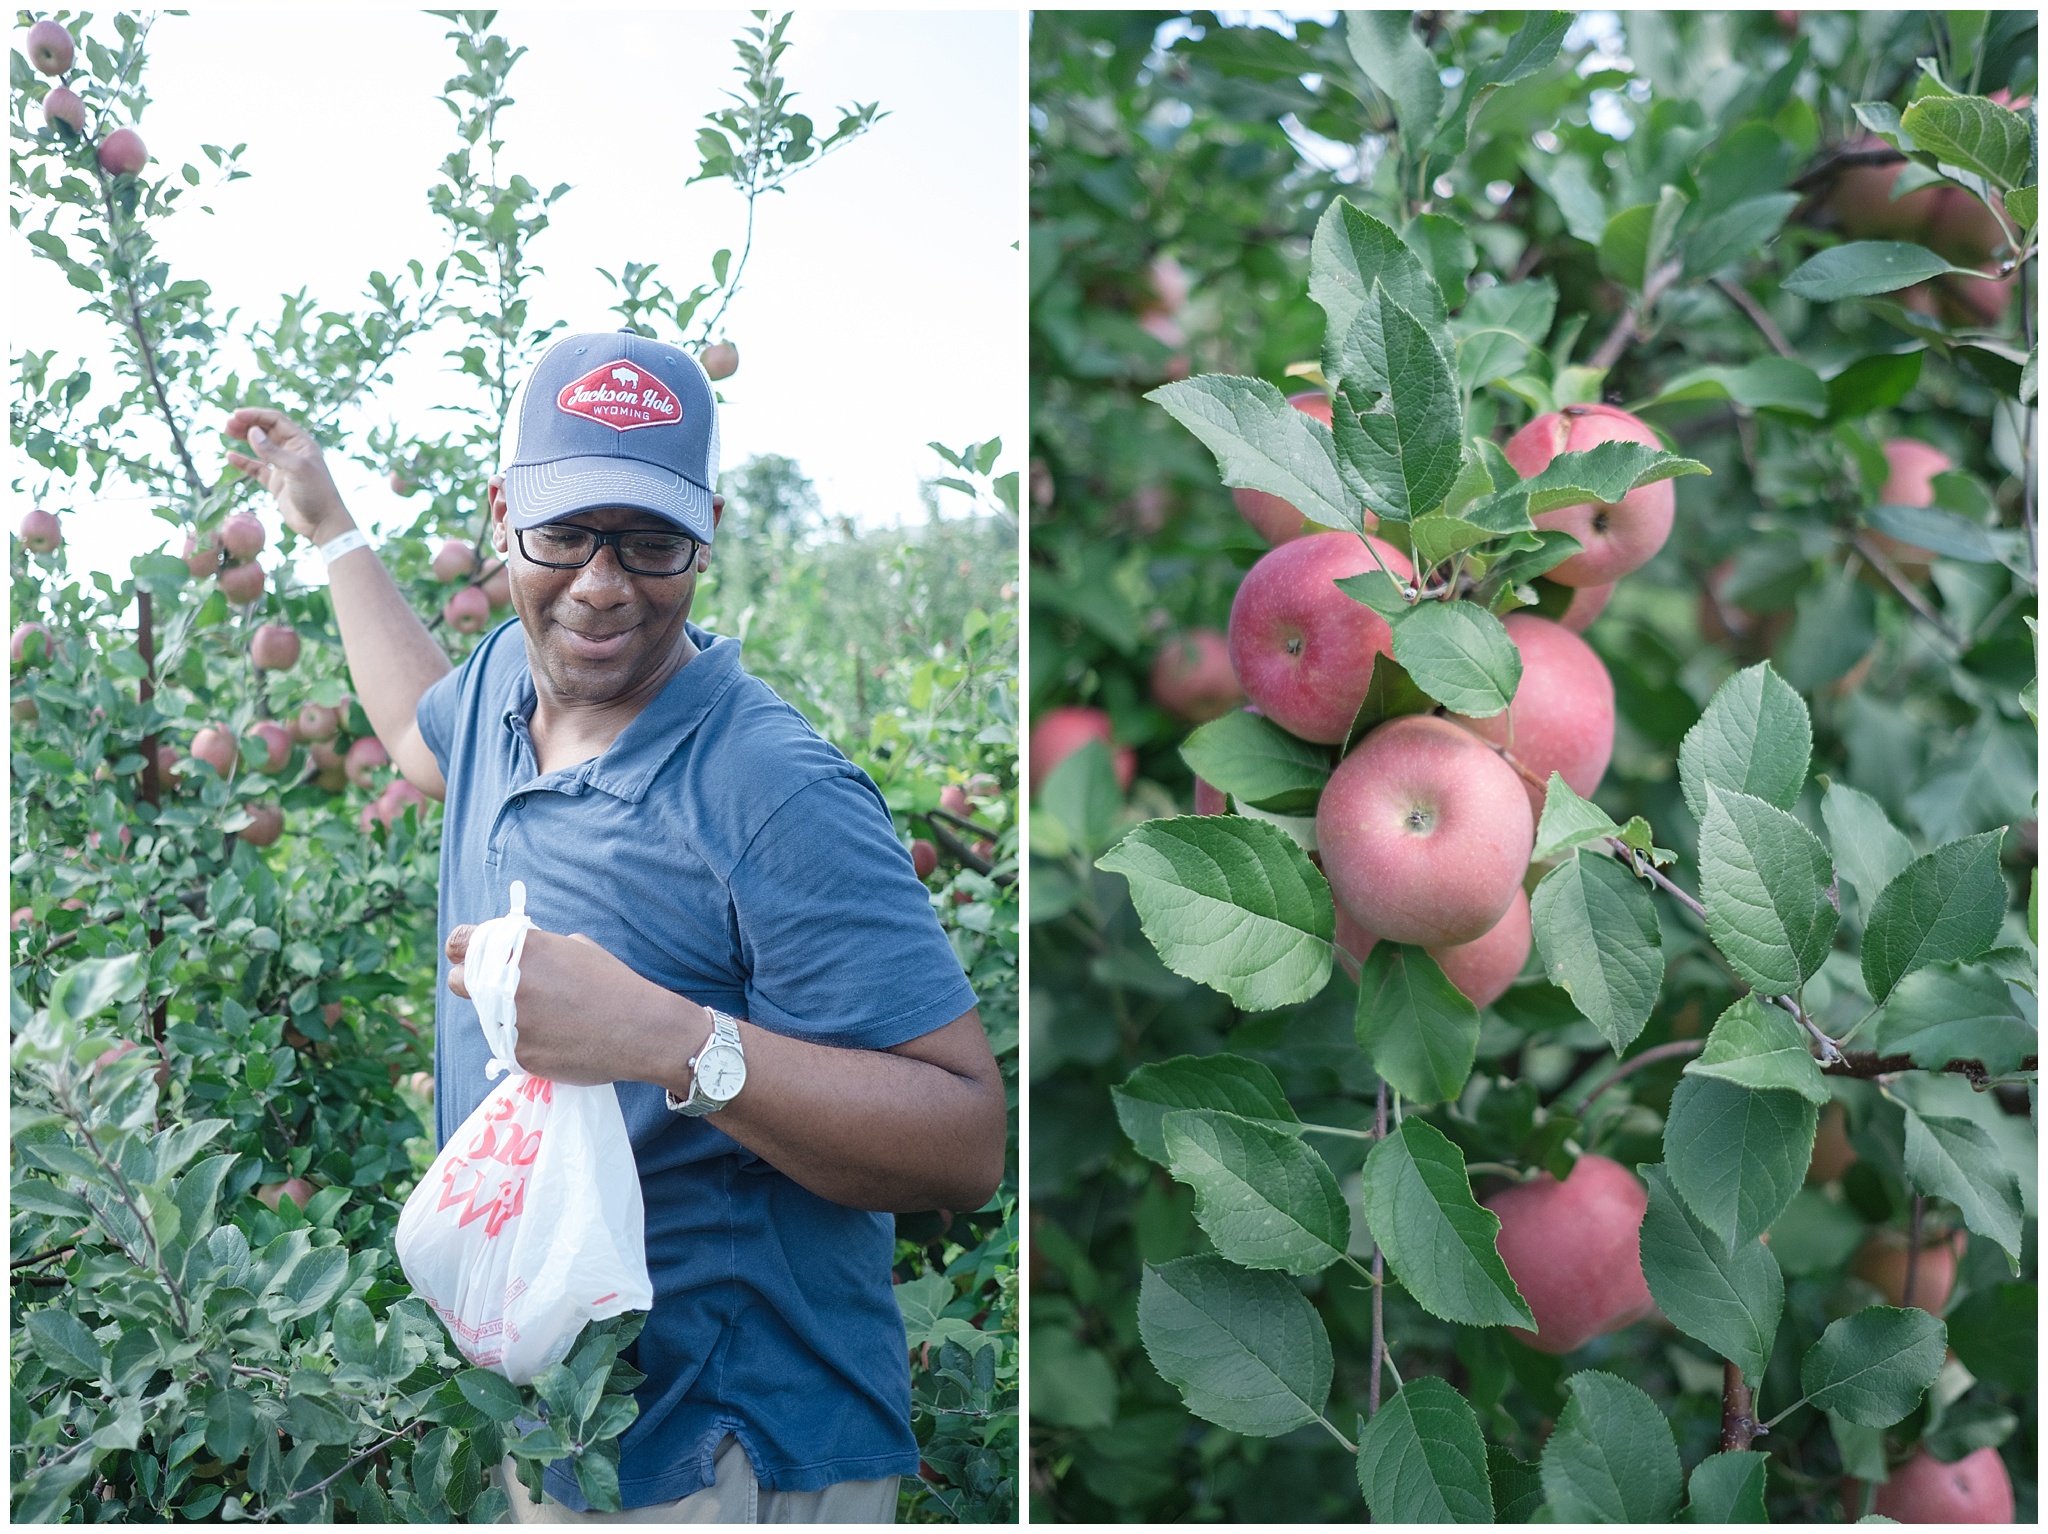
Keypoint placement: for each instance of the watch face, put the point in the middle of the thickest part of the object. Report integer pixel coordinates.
(721, 1072)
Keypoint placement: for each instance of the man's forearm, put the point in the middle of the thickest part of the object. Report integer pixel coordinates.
(392, 659)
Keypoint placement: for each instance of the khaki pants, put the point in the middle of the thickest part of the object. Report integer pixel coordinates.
(733, 1496)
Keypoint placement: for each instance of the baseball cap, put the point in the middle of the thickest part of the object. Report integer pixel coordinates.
(610, 418)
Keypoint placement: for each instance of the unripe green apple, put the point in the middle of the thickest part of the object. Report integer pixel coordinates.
(1614, 539)
(266, 825)
(274, 647)
(241, 584)
(1975, 1489)
(1302, 649)
(721, 360)
(122, 153)
(1061, 732)
(277, 744)
(1562, 718)
(1574, 1249)
(1424, 833)
(63, 106)
(1192, 679)
(50, 47)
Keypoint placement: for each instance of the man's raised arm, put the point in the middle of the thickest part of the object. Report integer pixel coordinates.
(392, 659)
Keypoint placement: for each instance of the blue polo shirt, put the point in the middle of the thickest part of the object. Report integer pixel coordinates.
(724, 850)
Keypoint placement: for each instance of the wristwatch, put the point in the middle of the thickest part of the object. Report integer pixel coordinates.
(718, 1071)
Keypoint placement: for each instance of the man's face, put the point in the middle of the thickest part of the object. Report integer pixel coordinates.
(599, 634)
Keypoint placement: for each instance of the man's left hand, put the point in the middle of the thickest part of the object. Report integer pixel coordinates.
(585, 1019)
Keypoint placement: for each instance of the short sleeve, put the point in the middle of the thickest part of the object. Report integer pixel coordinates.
(435, 715)
(838, 933)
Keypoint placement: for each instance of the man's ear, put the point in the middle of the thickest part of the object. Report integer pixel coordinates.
(501, 536)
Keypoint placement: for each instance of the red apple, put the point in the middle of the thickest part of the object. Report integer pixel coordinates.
(297, 1189)
(1210, 800)
(422, 1082)
(1191, 676)
(924, 857)
(25, 710)
(1574, 1250)
(953, 800)
(400, 485)
(123, 836)
(497, 588)
(122, 153)
(277, 744)
(1425, 833)
(241, 584)
(242, 536)
(454, 561)
(41, 533)
(1482, 970)
(721, 359)
(216, 747)
(49, 47)
(202, 559)
(326, 756)
(1913, 465)
(1272, 518)
(468, 611)
(363, 758)
(275, 647)
(22, 917)
(168, 764)
(62, 105)
(30, 645)
(1882, 1261)
(1614, 539)
(1302, 649)
(1562, 719)
(266, 825)
(330, 1013)
(389, 805)
(1832, 1153)
(984, 786)
(1588, 603)
(1063, 731)
(316, 721)
(1975, 1489)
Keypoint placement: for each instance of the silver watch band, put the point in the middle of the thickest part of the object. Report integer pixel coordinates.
(725, 1030)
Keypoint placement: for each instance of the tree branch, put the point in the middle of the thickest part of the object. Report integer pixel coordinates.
(1379, 1288)
(1635, 1063)
(1739, 1426)
(1758, 315)
(1864, 1065)
(1896, 579)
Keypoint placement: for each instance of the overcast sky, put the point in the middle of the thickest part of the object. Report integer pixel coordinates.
(883, 307)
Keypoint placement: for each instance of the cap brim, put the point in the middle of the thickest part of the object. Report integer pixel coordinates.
(546, 492)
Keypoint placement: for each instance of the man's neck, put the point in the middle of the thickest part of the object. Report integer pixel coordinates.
(567, 731)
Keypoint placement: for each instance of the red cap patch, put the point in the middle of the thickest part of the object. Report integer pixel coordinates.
(622, 396)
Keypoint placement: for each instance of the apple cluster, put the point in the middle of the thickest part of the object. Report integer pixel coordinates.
(51, 50)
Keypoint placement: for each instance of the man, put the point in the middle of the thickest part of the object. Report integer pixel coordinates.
(748, 954)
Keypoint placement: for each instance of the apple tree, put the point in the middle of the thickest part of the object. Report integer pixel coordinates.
(224, 898)
(1577, 1060)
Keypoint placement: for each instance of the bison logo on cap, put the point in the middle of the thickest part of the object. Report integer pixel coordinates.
(621, 397)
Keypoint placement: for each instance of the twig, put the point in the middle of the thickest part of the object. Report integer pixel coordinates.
(1636, 1062)
(1840, 160)
(1738, 1424)
(1758, 315)
(1628, 326)
(1644, 868)
(1379, 1327)
(1895, 578)
(1867, 1066)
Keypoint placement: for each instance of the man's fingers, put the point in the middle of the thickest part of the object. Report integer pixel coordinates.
(458, 943)
(455, 983)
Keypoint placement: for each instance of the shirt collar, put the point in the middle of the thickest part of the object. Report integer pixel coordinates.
(626, 768)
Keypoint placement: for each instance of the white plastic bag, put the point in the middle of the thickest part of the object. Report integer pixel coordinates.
(529, 1222)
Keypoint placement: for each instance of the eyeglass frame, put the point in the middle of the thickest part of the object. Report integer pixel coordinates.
(615, 540)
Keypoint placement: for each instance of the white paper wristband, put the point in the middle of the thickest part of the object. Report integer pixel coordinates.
(346, 543)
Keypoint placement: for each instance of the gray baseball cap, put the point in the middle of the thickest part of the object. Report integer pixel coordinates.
(611, 418)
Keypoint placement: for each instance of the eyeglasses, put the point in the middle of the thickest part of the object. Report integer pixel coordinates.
(566, 546)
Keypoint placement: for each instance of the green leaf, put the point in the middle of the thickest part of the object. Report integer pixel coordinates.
(1517, 1487)
(62, 1341)
(1959, 1161)
(1633, 244)
(1263, 443)
(1387, 51)
(355, 1333)
(1500, 327)
(91, 986)
(1461, 655)
(1727, 1488)
(1943, 532)
(1253, 760)
(1873, 383)
(1731, 1301)
(312, 1282)
(1390, 694)
(1226, 1083)
(1247, 1351)
(921, 1300)
(1422, 1458)
(1995, 1333)
(1418, 1029)
(1352, 250)
(1973, 134)
(1864, 268)
(1759, 1046)
(1233, 903)
(1445, 249)
(1769, 383)
(1436, 537)
(1834, 629)
(1396, 410)
(1265, 1198)
(1869, 851)
(1872, 1368)
(1568, 821)
(1438, 1240)
(1604, 473)
(2023, 206)
(1082, 799)
(1736, 232)
(1947, 906)
(1754, 738)
(1611, 1458)
(1764, 880)
(1946, 1012)
(1737, 1157)
(492, 1394)
(1597, 933)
